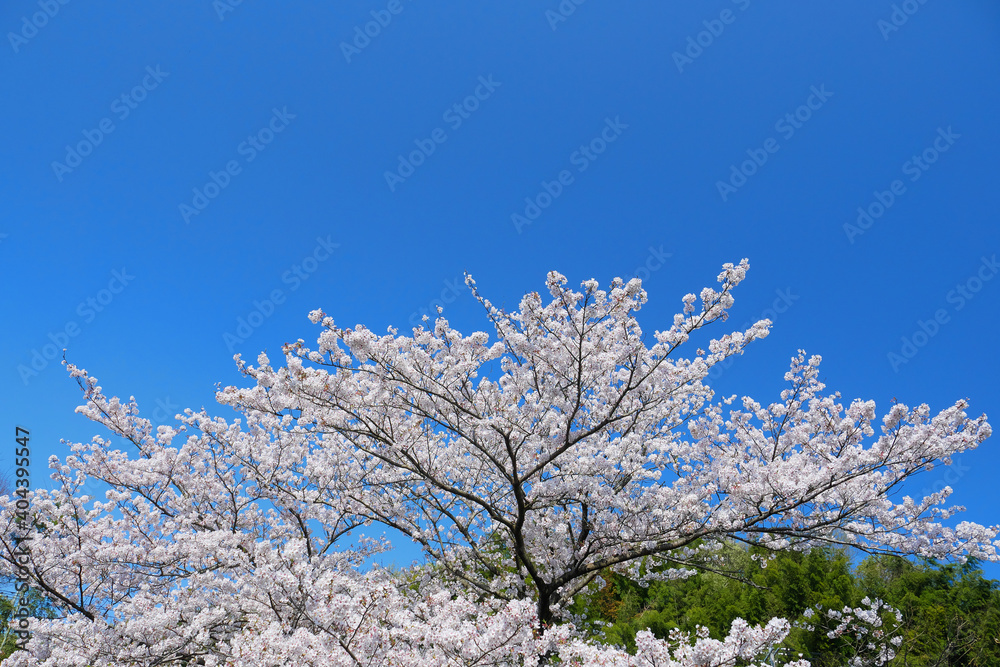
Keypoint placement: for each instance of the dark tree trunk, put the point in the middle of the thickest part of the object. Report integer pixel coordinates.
(544, 609)
(544, 619)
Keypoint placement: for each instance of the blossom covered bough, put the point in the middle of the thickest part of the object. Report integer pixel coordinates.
(524, 464)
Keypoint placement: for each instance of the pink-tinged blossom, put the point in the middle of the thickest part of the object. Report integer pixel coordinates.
(526, 461)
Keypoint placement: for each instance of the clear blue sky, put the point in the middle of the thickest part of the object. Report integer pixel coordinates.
(214, 154)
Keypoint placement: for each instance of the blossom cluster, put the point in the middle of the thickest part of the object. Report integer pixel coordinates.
(526, 462)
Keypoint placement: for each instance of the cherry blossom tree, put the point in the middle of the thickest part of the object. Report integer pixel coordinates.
(525, 462)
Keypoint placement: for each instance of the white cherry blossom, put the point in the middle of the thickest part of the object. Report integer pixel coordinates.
(526, 460)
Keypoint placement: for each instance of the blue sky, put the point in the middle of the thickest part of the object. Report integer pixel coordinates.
(174, 169)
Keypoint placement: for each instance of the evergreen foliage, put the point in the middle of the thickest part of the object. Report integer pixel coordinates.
(951, 613)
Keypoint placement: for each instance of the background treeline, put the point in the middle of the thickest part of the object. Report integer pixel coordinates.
(951, 613)
(36, 605)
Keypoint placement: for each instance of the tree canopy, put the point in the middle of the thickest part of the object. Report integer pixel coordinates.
(530, 464)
